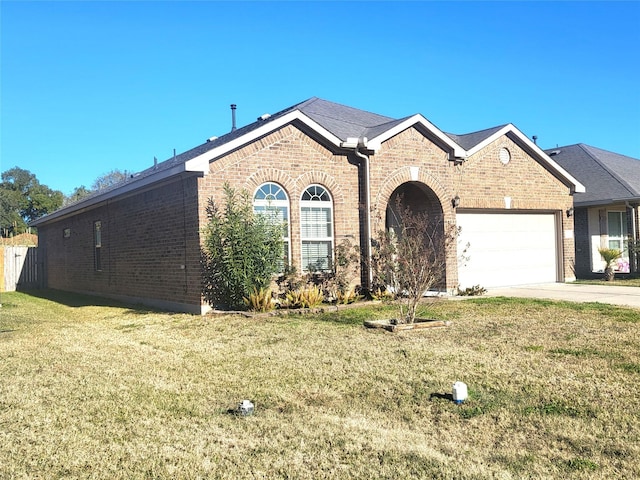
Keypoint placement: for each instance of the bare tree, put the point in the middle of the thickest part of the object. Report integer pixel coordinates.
(410, 259)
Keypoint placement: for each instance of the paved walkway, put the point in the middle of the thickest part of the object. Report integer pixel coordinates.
(575, 292)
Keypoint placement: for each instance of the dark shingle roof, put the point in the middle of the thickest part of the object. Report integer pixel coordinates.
(470, 140)
(341, 121)
(607, 176)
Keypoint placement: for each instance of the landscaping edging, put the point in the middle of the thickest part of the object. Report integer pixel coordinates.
(420, 323)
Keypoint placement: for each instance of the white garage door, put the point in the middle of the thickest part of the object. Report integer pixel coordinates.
(507, 249)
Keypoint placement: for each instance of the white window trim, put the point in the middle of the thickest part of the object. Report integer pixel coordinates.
(330, 239)
(277, 204)
(623, 237)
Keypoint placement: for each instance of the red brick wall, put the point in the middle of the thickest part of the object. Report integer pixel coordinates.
(150, 236)
(482, 182)
(150, 248)
(295, 161)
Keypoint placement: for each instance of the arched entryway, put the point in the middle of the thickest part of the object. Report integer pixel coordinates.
(413, 202)
(418, 199)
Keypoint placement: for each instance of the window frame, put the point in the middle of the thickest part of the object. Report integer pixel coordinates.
(621, 235)
(97, 245)
(326, 206)
(277, 204)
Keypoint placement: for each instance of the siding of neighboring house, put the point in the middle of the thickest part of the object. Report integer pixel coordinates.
(149, 250)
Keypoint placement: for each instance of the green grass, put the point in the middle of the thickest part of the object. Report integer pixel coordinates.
(626, 281)
(91, 389)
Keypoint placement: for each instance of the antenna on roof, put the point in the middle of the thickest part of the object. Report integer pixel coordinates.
(233, 117)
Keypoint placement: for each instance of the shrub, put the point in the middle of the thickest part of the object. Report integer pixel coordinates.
(411, 258)
(242, 250)
(307, 297)
(260, 300)
(474, 291)
(609, 255)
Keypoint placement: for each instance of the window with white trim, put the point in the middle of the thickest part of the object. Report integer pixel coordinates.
(617, 230)
(271, 199)
(316, 224)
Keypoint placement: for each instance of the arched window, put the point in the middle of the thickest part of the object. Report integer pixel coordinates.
(270, 199)
(316, 222)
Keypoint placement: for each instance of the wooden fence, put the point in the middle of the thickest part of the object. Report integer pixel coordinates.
(19, 268)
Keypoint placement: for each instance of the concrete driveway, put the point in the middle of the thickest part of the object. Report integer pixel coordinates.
(574, 292)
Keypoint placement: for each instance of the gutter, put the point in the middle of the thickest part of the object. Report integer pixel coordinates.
(355, 144)
(123, 190)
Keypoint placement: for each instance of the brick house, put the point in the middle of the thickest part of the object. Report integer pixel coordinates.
(332, 172)
(606, 215)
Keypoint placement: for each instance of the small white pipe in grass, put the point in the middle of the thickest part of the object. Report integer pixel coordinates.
(459, 392)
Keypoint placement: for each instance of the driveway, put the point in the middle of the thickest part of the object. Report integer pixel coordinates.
(574, 292)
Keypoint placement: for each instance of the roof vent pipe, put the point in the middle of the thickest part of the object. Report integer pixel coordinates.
(233, 117)
(535, 139)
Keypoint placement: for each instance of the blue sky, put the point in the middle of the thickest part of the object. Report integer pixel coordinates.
(88, 87)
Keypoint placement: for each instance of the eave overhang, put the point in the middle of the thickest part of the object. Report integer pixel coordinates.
(426, 127)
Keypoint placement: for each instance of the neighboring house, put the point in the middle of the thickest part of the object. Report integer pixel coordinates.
(606, 215)
(332, 172)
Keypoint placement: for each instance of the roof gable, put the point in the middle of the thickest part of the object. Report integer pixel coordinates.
(337, 125)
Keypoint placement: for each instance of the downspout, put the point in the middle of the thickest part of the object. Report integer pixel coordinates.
(367, 206)
(354, 144)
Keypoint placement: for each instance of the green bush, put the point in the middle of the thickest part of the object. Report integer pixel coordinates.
(242, 251)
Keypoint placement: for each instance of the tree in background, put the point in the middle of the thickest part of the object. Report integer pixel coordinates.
(78, 194)
(108, 180)
(24, 199)
(242, 251)
(103, 182)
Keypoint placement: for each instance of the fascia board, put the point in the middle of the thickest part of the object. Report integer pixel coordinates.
(604, 202)
(577, 187)
(201, 162)
(375, 143)
(126, 189)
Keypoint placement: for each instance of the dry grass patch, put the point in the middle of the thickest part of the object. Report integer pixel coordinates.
(113, 392)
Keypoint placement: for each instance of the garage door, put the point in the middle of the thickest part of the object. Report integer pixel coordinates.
(507, 249)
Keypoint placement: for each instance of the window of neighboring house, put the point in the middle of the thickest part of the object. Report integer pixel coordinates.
(316, 222)
(617, 233)
(271, 199)
(617, 230)
(97, 236)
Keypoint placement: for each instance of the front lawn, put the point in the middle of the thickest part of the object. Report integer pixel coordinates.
(619, 281)
(113, 392)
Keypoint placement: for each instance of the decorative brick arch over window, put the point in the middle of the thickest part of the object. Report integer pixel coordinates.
(316, 229)
(272, 200)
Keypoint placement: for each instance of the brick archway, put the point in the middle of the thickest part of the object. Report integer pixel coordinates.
(425, 192)
(411, 175)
